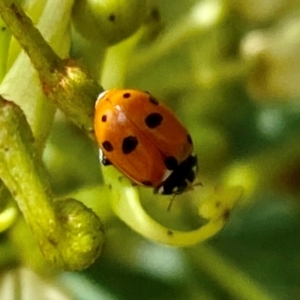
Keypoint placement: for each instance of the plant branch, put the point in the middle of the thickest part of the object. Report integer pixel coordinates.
(63, 81)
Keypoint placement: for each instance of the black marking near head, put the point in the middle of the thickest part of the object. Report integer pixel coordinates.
(126, 95)
(107, 146)
(129, 144)
(181, 178)
(104, 118)
(147, 183)
(171, 162)
(153, 120)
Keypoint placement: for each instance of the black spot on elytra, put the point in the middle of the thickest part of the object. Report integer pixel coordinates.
(104, 118)
(153, 120)
(129, 144)
(126, 95)
(107, 146)
(171, 162)
(3, 28)
(111, 17)
(189, 139)
(147, 183)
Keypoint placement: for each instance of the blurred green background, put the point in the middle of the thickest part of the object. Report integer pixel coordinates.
(236, 86)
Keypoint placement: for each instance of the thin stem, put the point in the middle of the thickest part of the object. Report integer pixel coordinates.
(41, 54)
(63, 81)
(237, 283)
(58, 226)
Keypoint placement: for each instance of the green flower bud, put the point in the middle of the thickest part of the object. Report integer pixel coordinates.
(109, 21)
(82, 236)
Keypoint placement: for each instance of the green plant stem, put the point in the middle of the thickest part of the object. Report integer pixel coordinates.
(63, 81)
(26, 34)
(53, 20)
(19, 173)
(204, 16)
(237, 284)
(5, 38)
(69, 234)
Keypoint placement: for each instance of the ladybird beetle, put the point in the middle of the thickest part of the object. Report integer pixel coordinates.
(144, 140)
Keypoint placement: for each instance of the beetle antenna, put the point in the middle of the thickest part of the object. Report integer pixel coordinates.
(171, 202)
(174, 195)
